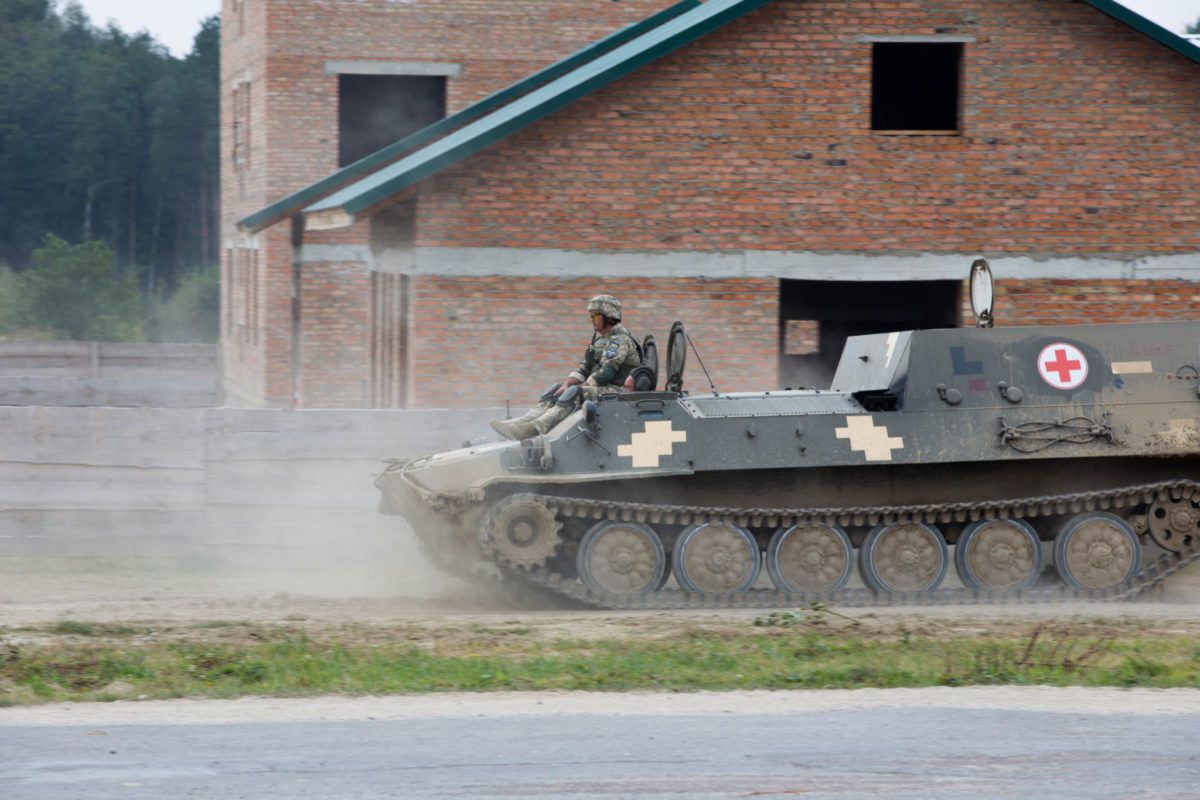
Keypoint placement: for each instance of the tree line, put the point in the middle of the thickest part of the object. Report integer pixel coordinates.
(105, 137)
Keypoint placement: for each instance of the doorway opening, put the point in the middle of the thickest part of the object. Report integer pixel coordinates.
(816, 317)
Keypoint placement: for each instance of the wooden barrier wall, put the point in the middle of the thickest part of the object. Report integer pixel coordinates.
(138, 374)
(124, 481)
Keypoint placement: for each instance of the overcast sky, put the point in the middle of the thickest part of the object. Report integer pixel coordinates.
(175, 22)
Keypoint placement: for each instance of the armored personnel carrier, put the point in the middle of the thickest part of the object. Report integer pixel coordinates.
(1012, 448)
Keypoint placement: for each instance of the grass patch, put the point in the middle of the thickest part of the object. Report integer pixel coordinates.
(71, 627)
(807, 652)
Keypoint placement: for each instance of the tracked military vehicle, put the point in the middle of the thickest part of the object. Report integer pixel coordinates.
(1018, 448)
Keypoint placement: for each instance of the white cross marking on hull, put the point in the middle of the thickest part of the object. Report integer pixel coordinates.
(871, 439)
(648, 447)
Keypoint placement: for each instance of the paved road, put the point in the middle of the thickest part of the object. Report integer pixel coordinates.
(906, 752)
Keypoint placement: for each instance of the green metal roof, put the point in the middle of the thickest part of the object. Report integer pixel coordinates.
(534, 106)
(294, 202)
(1152, 29)
(569, 80)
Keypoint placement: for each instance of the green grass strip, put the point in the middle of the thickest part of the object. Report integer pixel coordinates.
(282, 662)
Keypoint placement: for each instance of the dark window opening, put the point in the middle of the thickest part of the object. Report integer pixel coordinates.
(816, 317)
(915, 87)
(375, 111)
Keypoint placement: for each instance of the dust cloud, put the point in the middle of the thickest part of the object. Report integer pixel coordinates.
(277, 519)
(273, 517)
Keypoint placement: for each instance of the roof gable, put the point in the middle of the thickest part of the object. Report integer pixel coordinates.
(296, 201)
(343, 207)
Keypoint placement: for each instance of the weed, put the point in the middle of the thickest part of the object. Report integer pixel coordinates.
(71, 627)
(816, 614)
(487, 631)
(9, 652)
(1137, 671)
(1048, 653)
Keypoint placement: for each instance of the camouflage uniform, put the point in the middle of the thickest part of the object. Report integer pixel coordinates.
(611, 359)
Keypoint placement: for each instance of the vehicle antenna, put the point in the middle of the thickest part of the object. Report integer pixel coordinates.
(701, 360)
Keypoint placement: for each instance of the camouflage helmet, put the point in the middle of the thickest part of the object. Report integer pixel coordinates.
(605, 304)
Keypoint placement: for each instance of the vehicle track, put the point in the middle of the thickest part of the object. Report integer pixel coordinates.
(1148, 577)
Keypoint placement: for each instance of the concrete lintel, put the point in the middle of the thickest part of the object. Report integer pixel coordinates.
(561, 263)
(933, 38)
(925, 267)
(327, 220)
(248, 242)
(393, 260)
(428, 68)
(486, 261)
(334, 253)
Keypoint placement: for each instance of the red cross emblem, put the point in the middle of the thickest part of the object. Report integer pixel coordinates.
(1062, 365)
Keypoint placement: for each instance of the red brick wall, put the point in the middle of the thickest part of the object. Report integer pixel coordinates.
(282, 47)
(1079, 135)
(248, 362)
(495, 42)
(334, 362)
(481, 341)
(801, 337)
(1061, 302)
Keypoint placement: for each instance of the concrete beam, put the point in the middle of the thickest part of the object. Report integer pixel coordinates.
(481, 261)
(933, 38)
(431, 68)
(333, 253)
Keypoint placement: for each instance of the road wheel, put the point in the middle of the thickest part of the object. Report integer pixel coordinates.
(999, 555)
(904, 557)
(716, 558)
(1096, 550)
(810, 559)
(622, 558)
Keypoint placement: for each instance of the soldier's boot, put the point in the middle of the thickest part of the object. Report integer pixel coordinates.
(542, 424)
(534, 413)
(505, 427)
(522, 430)
(551, 417)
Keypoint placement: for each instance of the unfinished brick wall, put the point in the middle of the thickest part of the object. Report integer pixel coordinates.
(483, 341)
(1078, 136)
(281, 48)
(334, 365)
(1062, 302)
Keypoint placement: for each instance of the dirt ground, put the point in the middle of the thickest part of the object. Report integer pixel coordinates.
(370, 600)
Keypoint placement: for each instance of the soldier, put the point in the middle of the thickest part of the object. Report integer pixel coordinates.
(613, 355)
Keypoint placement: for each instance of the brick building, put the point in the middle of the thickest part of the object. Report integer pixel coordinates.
(419, 195)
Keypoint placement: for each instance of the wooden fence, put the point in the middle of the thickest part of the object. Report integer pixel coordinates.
(123, 481)
(57, 373)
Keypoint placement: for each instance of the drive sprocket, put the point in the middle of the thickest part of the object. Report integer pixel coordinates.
(1174, 520)
(521, 531)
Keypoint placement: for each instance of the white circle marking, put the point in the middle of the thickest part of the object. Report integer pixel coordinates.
(1062, 365)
